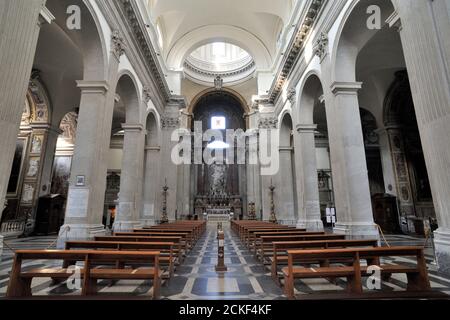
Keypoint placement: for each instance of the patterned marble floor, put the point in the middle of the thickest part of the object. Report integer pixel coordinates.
(196, 279)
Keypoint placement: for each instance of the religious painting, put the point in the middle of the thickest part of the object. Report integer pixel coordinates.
(61, 175)
(14, 180)
(33, 167)
(27, 194)
(36, 144)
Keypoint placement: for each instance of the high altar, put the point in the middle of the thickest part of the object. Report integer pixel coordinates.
(218, 191)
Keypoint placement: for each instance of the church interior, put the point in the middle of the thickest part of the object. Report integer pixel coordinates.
(212, 150)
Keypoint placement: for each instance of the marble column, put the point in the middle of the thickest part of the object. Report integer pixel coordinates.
(307, 178)
(353, 202)
(19, 24)
(152, 172)
(425, 35)
(128, 217)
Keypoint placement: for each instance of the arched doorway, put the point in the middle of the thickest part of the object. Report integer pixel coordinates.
(220, 184)
(415, 200)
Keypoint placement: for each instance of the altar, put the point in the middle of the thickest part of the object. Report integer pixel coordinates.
(218, 205)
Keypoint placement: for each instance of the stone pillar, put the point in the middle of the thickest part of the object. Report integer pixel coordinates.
(253, 175)
(19, 24)
(49, 157)
(184, 175)
(307, 179)
(87, 186)
(425, 37)
(169, 171)
(84, 209)
(285, 195)
(353, 202)
(127, 217)
(151, 184)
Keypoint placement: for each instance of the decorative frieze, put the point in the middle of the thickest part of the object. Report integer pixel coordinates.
(117, 44)
(295, 48)
(131, 12)
(169, 123)
(268, 123)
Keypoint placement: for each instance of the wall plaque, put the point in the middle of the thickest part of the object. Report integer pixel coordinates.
(77, 203)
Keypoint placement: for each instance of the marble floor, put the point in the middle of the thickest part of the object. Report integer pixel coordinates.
(196, 279)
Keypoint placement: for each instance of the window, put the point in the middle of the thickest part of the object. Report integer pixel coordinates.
(160, 35)
(218, 123)
(219, 50)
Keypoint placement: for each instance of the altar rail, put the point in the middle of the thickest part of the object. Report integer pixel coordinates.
(12, 228)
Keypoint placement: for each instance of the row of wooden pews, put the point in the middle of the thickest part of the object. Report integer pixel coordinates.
(293, 253)
(145, 254)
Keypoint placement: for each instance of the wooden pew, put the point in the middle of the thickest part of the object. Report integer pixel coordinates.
(417, 275)
(187, 235)
(170, 253)
(264, 243)
(139, 238)
(253, 237)
(280, 257)
(20, 281)
(248, 233)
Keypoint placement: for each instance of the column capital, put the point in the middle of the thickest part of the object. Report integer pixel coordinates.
(306, 128)
(132, 127)
(346, 88)
(87, 86)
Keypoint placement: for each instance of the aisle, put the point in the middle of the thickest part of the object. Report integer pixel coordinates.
(197, 279)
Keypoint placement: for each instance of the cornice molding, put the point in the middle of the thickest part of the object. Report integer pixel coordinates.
(351, 88)
(93, 86)
(295, 48)
(129, 10)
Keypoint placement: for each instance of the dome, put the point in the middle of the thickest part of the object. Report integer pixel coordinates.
(232, 63)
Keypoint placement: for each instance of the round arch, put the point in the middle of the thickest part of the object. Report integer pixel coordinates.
(286, 127)
(311, 89)
(127, 89)
(152, 129)
(235, 94)
(353, 34)
(209, 34)
(89, 39)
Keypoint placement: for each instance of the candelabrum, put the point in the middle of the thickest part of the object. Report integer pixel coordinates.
(273, 217)
(164, 217)
(251, 211)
